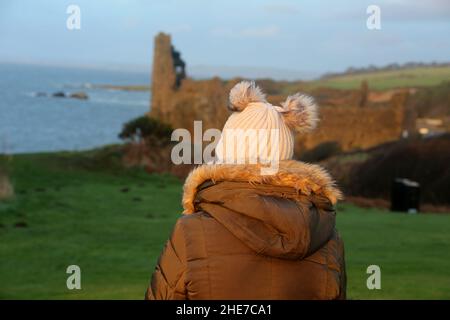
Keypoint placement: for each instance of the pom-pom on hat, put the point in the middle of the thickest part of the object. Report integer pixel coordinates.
(259, 132)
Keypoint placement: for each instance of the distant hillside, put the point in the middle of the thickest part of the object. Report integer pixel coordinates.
(229, 72)
(377, 80)
(388, 79)
(389, 67)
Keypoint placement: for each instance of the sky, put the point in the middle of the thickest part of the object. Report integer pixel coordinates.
(303, 38)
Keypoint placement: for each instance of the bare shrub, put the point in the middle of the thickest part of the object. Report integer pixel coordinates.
(425, 161)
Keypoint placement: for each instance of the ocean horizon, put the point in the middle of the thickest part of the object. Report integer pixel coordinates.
(32, 120)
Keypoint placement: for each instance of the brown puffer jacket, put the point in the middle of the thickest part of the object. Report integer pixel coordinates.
(248, 236)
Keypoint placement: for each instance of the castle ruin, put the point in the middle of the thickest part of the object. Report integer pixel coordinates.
(351, 119)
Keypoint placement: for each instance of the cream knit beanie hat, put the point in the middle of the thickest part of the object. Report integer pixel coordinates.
(259, 132)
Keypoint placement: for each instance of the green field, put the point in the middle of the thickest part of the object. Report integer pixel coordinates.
(379, 80)
(79, 208)
(383, 80)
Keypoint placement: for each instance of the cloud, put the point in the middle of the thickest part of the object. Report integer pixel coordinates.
(406, 10)
(419, 10)
(262, 32)
(250, 32)
(371, 41)
(281, 8)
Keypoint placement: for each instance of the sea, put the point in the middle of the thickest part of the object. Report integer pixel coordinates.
(32, 120)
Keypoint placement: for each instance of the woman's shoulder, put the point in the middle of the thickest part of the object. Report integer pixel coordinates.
(192, 223)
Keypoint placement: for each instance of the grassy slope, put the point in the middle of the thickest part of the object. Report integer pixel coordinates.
(79, 214)
(417, 77)
(381, 80)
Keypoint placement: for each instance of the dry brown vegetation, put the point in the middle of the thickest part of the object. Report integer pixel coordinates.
(6, 189)
(370, 173)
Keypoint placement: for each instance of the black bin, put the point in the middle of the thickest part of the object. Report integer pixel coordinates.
(405, 195)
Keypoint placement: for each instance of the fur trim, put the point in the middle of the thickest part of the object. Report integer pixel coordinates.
(244, 93)
(305, 178)
(300, 112)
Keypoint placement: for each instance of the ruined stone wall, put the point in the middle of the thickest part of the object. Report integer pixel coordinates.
(356, 127)
(351, 126)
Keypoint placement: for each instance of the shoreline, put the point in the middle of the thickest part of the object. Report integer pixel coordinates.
(122, 87)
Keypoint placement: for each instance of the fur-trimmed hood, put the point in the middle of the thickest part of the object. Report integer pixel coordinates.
(305, 178)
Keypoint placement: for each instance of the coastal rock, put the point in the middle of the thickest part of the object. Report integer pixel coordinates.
(79, 95)
(59, 94)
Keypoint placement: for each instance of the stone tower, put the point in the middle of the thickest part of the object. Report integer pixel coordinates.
(168, 72)
(163, 74)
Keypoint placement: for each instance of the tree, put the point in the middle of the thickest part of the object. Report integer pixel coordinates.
(147, 129)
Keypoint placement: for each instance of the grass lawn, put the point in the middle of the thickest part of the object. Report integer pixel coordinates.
(76, 208)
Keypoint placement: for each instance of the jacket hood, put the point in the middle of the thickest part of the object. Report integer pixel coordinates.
(286, 215)
(307, 179)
